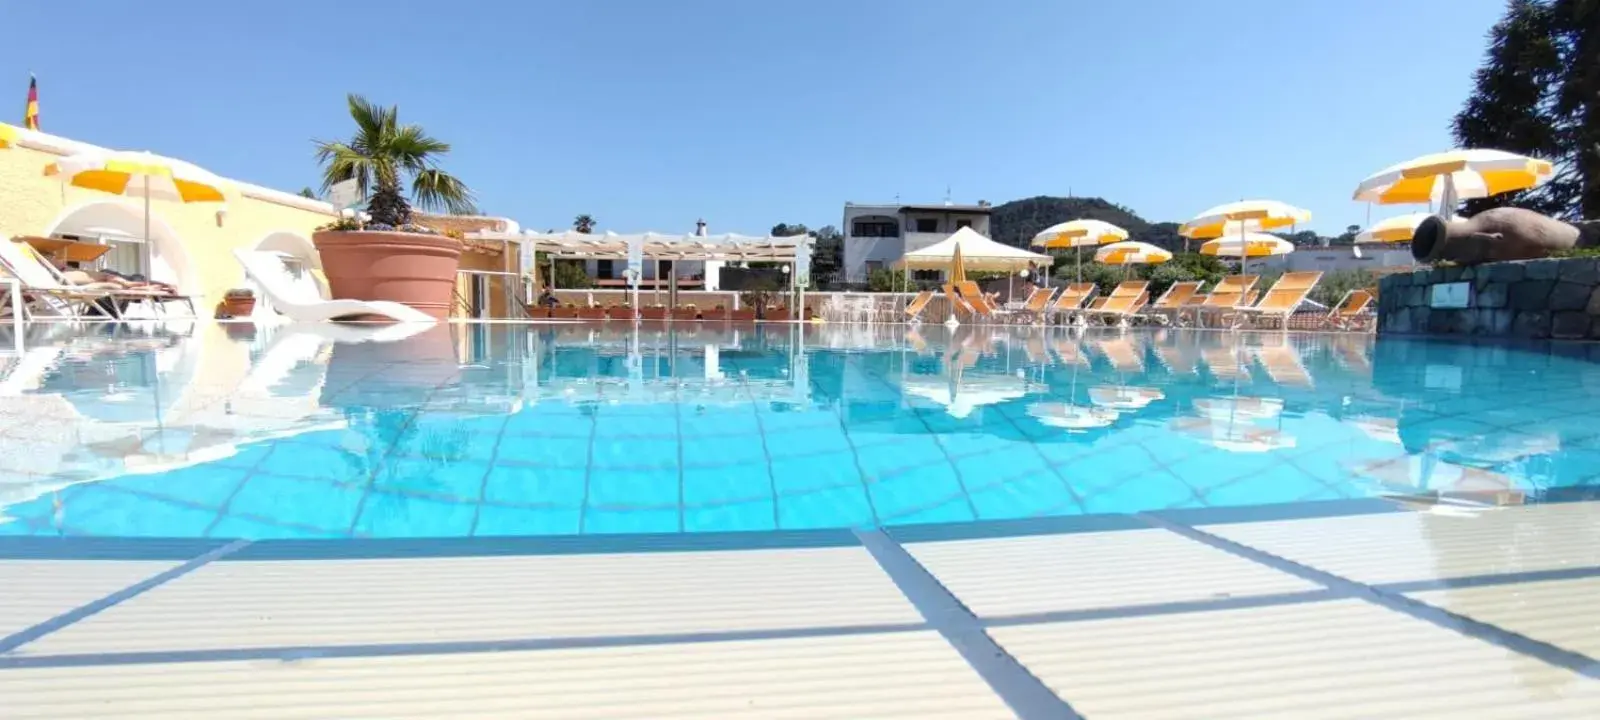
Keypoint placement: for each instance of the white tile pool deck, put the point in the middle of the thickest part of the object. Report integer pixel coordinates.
(1373, 614)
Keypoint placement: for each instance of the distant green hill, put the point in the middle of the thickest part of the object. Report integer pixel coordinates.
(1016, 222)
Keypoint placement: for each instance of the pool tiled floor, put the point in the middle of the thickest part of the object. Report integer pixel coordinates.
(1170, 616)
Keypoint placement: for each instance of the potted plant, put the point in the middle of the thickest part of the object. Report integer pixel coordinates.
(653, 312)
(718, 313)
(744, 314)
(592, 312)
(390, 258)
(776, 313)
(238, 303)
(539, 312)
(567, 311)
(620, 312)
(686, 312)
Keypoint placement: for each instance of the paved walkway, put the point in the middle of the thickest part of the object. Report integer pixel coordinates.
(1376, 612)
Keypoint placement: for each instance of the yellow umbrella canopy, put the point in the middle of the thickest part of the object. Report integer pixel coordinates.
(1393, 230)
(140, 174)
(958, 270)
(9, 135)
(1079, 233)
(1131, 253)
(1242, 245)
(1245, 215)
(1452, 176)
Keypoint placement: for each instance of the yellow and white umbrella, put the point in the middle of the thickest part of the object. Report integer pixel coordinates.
(1131, 253)
(1247, 245)
(1450, 177)
(9, 136)
(143, 175)
(1397, 229)
(140, 174)
(1079, 234)
(1245, 215)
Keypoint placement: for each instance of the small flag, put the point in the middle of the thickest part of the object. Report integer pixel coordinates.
(30, 118)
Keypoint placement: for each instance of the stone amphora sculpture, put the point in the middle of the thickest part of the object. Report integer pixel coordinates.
(1494, 235)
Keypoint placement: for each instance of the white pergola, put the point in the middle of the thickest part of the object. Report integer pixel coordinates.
(636, 248)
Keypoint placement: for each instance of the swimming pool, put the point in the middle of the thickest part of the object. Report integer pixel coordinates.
(499, 430)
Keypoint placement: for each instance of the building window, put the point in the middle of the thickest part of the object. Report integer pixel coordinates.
(963, 224)
(874, 266)
(874, 229)
(926, 275)
(927, 225)
(605, 269)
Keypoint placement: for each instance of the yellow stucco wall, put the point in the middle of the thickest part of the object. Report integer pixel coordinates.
(32, 204)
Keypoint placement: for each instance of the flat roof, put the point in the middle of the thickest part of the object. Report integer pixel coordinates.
(573, 244)
(976, 209)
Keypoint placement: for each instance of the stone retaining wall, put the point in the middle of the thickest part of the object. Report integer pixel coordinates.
(1554, 298)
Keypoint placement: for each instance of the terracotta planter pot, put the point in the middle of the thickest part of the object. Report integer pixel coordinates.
(685, 313)
(744, 315)
(389, 374)
(409, 268)
(776, 315)
(564, 313)
(592, 313)
(238, 307)
(715, 314)
(619, 313)
(539, 313)
(653, 313)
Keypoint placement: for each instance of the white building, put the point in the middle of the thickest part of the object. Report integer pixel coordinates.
(877, 235)
(692, 274)
(1334, 258)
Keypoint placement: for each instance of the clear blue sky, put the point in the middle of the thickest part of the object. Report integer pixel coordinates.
(650, 113)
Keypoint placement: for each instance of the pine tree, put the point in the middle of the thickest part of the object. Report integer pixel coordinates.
(1538, 93)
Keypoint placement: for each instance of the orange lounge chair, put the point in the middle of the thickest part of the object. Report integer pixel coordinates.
(1280, 301)
(971, 293)
(957, 305)
(1170, 305)
(917, 305)
(1230, 293)
(1351, 311)
(1124, 301)
(1071, 299)
(1038, 303)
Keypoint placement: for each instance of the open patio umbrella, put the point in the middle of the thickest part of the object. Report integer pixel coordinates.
(142, 175)
(1398, 229)
(9, 136)
(1130, 252)
(1247, 245)
(1079, 234)
(1453, 176)
(1243, 216)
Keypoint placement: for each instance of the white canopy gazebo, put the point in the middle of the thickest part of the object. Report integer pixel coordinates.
(636, 248)
(977, 253)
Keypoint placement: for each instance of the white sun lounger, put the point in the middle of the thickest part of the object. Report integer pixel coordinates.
(261, 267)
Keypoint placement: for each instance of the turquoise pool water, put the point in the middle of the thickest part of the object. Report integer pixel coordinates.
(181, 431)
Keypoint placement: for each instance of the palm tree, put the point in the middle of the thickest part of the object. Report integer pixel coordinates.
(381, 154)
(583, 224)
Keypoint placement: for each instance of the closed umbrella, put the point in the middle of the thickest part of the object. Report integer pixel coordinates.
(1079, 234)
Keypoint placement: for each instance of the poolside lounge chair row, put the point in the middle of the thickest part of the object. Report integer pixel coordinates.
(47, 292)
(1233, 302)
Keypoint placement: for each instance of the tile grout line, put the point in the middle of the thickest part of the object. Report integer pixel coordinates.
(1020, 689)
(15, 640)
(1487, 632)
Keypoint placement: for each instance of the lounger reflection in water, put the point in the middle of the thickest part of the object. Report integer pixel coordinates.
(265, 269)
